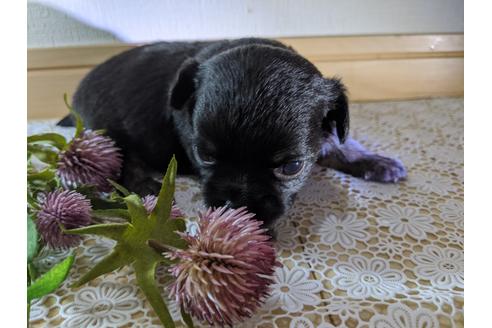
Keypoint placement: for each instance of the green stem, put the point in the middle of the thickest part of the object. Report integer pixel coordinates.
(32, 272)
(31, 276)
(28, 313)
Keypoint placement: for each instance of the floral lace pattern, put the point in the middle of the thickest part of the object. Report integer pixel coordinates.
(293, 289)
(345, 230)
(443, 267)
(405, 221)
(356, 254)
(401, 316)
(364, 278)
(106, 305)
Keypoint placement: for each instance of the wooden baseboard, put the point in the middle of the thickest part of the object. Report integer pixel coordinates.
(374, 68)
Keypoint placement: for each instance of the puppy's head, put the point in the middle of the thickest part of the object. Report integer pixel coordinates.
(253, 119)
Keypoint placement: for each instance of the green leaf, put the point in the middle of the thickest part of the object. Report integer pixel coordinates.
(111, 230)
(111, 213)
(38, 186)
(104, 204)
(87, 190)
(164, 204)
(113, 261)
(32, 239)
(145, 273)
(133, 238)
(51, 280)
(125, 192)
(45, 175)
(168, 233)
(186, 318)
(99, 203)
(43, 153)
(51, 138)
(31, 202)
(137, 212)
(79, 126)
(32, 272)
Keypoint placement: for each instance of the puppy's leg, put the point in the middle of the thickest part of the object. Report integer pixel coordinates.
(352, 158)
(138, 177)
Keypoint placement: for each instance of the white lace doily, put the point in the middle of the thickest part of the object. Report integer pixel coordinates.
(355, 254)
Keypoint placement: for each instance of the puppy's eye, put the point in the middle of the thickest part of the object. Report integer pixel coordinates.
(205, 158)
(290, 169)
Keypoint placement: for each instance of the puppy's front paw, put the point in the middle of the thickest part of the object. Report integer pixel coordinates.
(381, 169)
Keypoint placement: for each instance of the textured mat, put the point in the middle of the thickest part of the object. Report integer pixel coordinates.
(355, 254)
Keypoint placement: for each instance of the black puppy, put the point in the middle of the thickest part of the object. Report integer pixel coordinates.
(250, 117)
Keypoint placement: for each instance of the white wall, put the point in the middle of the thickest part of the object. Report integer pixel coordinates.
(47, 27)
(149, 20)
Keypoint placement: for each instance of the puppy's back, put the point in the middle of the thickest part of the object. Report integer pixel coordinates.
(133, 83)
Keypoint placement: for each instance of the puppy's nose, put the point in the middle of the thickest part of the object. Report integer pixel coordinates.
(236, 197)
(234, 204)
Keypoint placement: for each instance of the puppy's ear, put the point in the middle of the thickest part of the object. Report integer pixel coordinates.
(337, 114)
(184, 86)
